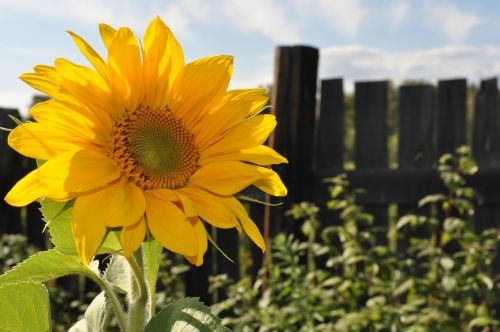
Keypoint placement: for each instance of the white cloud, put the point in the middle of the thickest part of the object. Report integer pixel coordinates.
(265, 17)
(398, 12)
(134, 14)
(346, 16)
(364, 63)
(453, 22)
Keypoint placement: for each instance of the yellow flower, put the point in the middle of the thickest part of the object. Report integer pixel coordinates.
(142, 142)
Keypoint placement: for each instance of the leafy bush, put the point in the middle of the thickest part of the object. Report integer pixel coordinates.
(341, 278)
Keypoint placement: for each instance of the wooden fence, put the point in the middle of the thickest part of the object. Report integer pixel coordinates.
(432, 121)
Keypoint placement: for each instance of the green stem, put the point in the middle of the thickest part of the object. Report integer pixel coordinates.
(138, 297)
(117, 307)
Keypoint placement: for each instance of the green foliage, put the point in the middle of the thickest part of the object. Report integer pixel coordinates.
(44, 266)
(188, 315)
(13, 249)
(24, 306)
(343, 278)
(97, 316)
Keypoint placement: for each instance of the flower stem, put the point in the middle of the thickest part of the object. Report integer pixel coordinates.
(117, 307)
(139, 295)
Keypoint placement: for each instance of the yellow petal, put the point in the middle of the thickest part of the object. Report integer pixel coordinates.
(229, 177)
(163, 59)
(88, 229)
(131, 237)
(46, 81)
(248, 225)
(236, 106)
(201, 235)
(176, 196)
(210, 207)
(199, 86)
(170, 226)
(79, 121)
(107, 34)
(91, 55)
(88, 88)
(247, 134)
(44, 141)
(125, 68)
(78, 171)
(259, 155)
(118, 204)
(29, 188)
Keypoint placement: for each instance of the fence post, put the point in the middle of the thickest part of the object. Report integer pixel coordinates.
(485, 135)
(371, 151)
(485, 147)
(452, 101)
(11, 170)
(330, 135)
(294, 100)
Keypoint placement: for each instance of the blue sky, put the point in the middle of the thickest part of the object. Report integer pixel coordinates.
(358, 39)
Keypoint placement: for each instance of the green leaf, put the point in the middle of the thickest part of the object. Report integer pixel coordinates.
(97, 316)
(481, 322)
(111, 243)
(187, 314)
(151, 259)
(45, 265)
(119, 274)
(431, 199)
(58, 219)
(24, 307)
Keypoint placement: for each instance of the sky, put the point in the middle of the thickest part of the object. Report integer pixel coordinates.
(357, 39)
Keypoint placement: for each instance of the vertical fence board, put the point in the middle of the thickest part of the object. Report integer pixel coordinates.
(11, 170)
(485, 134)
(485, 144)
(371, 103)
(294, 100)
(330, 137)
(416, 139)
(451, 115)
(371, 125)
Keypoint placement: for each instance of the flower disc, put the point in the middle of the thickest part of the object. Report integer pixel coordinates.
(154, 150)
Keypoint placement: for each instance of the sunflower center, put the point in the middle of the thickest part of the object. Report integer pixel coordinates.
(154, 150)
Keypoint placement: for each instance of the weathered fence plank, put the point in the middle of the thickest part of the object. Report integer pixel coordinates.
(371, 151)
(451, 115)
(330, 136)
(11, 170)
(294, 100)
(485, 138)
(416, 143)
(416, 126)
(486, 148)
(371, 125)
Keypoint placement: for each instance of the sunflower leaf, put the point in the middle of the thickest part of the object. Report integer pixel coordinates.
(119, 274)
(57, 216)
(187, 314)
(24, 307)
(45, 265)
(97, 316)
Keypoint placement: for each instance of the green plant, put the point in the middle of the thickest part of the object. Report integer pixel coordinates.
(341, 279)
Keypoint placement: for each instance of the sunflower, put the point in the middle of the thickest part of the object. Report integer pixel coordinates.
(143, 142)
